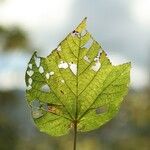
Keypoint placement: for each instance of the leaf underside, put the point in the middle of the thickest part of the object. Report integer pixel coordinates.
(76, 82)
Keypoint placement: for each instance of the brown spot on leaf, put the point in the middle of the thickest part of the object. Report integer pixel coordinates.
(61, 91)
(53, 108)
(73, 31)
(58, 54)
(101, 110)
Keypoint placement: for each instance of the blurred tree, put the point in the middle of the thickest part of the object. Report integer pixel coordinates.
(16, 38)
(13, 38)
(8, 134)
(130, 130)
(2, 30)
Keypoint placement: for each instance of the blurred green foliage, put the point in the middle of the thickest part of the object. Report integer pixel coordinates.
(13, 38)
(130, 130)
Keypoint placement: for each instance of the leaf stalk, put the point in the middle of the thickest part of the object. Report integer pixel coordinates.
(75, 135)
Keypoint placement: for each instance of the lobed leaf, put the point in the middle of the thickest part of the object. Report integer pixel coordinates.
(76, 82)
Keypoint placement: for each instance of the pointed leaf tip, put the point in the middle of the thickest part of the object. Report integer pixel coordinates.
(76, 81)
(81, 26)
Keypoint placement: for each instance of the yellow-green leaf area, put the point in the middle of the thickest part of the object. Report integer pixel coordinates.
(75, 83)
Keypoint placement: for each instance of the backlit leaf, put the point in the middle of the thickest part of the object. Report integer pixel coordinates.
(76, 82)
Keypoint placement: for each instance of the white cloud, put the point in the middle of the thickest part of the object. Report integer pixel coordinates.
(139, 75)
(141, 11)
(35, 12)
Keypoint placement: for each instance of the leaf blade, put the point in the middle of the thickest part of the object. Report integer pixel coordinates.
(75, 83)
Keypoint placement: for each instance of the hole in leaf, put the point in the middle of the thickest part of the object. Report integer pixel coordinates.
(45, 88)
(35, 107)
(101, 110)
(73, 68)
(30, 66)
(41, 70)
(98, 56)
(35, 104)
(86, 58)
(51, 73)
(96, 66)
(30, 72)
(45, 106)
(83, 33)
(89, 43)
(63, 65)
(30, 81)
(37, 61)
(99, 53)
(47, 75)
(63, 81)
(29, 87)
(37, 113)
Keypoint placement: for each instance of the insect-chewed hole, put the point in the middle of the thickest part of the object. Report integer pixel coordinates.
(96, 66)
(89, 43)
(62, 81)
(83, 33)
(86, 58)
(63, 65)
(98, 55)
(30, 66)
(30, 81)
(37, 61)
(41, 69)
(45, 88)
(30, 72)
(47, 75)
(35, 104)
(73, 68)
(51, 73)
(101, 110)
(45, 106)
(36, 111)
(29, 87)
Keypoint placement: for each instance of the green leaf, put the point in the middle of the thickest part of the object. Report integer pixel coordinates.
(75, 83)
